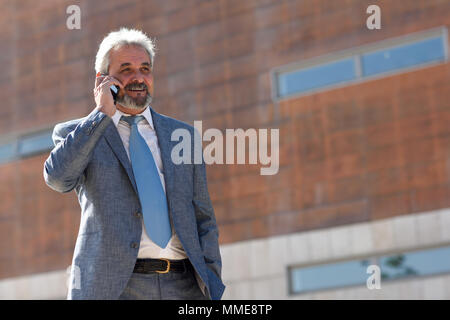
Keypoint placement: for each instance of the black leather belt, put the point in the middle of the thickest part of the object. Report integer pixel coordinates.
(161, 266)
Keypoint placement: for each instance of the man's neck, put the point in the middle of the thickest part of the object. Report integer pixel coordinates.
(129, 110)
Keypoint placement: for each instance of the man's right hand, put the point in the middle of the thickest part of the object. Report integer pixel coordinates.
(102, 93)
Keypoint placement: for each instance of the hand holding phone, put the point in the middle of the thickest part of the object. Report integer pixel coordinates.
(105, 92)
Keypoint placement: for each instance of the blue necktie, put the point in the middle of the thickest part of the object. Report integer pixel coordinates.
(151, 193)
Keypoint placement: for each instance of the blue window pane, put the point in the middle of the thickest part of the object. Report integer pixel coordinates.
(35, 144)
(316, 77)
(403, 56)
(329, 276)
(335, 275)
(420, 263)
(7, 152)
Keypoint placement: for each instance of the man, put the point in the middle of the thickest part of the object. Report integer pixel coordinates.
(148, 229)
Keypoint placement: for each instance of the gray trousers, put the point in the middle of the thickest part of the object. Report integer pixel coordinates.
(165, 286)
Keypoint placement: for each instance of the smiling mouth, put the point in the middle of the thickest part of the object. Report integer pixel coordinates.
(137, 90)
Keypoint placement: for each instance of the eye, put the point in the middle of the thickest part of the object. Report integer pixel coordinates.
(125, 70)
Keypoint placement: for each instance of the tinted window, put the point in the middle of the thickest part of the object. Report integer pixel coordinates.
(329, 276)
(36, 143)
(316, 77)
(364, 62)
(354, 272)
(403, 56)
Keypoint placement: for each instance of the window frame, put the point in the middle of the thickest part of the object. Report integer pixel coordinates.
(356, 53)
(16, 141)
(39, 134)
(373, 259)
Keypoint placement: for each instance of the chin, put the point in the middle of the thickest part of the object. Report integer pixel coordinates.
(130, 103)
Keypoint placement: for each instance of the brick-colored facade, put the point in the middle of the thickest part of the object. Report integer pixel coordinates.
(364, 152)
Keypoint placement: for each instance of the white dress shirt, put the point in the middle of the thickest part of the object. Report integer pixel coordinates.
(148, 249)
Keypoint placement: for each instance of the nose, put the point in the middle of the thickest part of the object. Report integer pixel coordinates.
(137, 78)
(137, 75)
(140, 78)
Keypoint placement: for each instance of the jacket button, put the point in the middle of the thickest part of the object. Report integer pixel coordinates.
(138, 214)
(134, 245)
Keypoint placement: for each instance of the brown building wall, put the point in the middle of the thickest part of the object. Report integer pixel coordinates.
(367, 151)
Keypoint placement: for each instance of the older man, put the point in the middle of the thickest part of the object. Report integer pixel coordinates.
(147, 227)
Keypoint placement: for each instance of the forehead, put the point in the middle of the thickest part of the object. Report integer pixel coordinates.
(128, 54)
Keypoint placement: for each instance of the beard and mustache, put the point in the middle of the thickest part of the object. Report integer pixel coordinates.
(137, 103)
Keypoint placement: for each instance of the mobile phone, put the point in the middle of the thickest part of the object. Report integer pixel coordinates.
(114, 91)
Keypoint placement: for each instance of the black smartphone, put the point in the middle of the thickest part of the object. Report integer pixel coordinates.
(114, 91)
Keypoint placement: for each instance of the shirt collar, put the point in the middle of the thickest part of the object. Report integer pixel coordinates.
(146, 113)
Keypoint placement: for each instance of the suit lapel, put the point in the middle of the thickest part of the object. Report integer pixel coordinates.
(163, 132)
(115, 142)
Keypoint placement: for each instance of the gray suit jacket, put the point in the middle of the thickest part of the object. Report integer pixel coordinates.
(89, 157)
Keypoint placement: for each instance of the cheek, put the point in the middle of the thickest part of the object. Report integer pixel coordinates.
(124, 79)
(150, 84)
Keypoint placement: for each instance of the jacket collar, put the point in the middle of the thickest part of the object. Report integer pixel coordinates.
(146, 113)
(163, 130)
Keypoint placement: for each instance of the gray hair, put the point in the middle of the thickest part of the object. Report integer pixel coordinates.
(115, 40)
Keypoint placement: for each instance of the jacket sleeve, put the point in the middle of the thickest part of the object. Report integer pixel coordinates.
(74, 143)
(206, 223)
